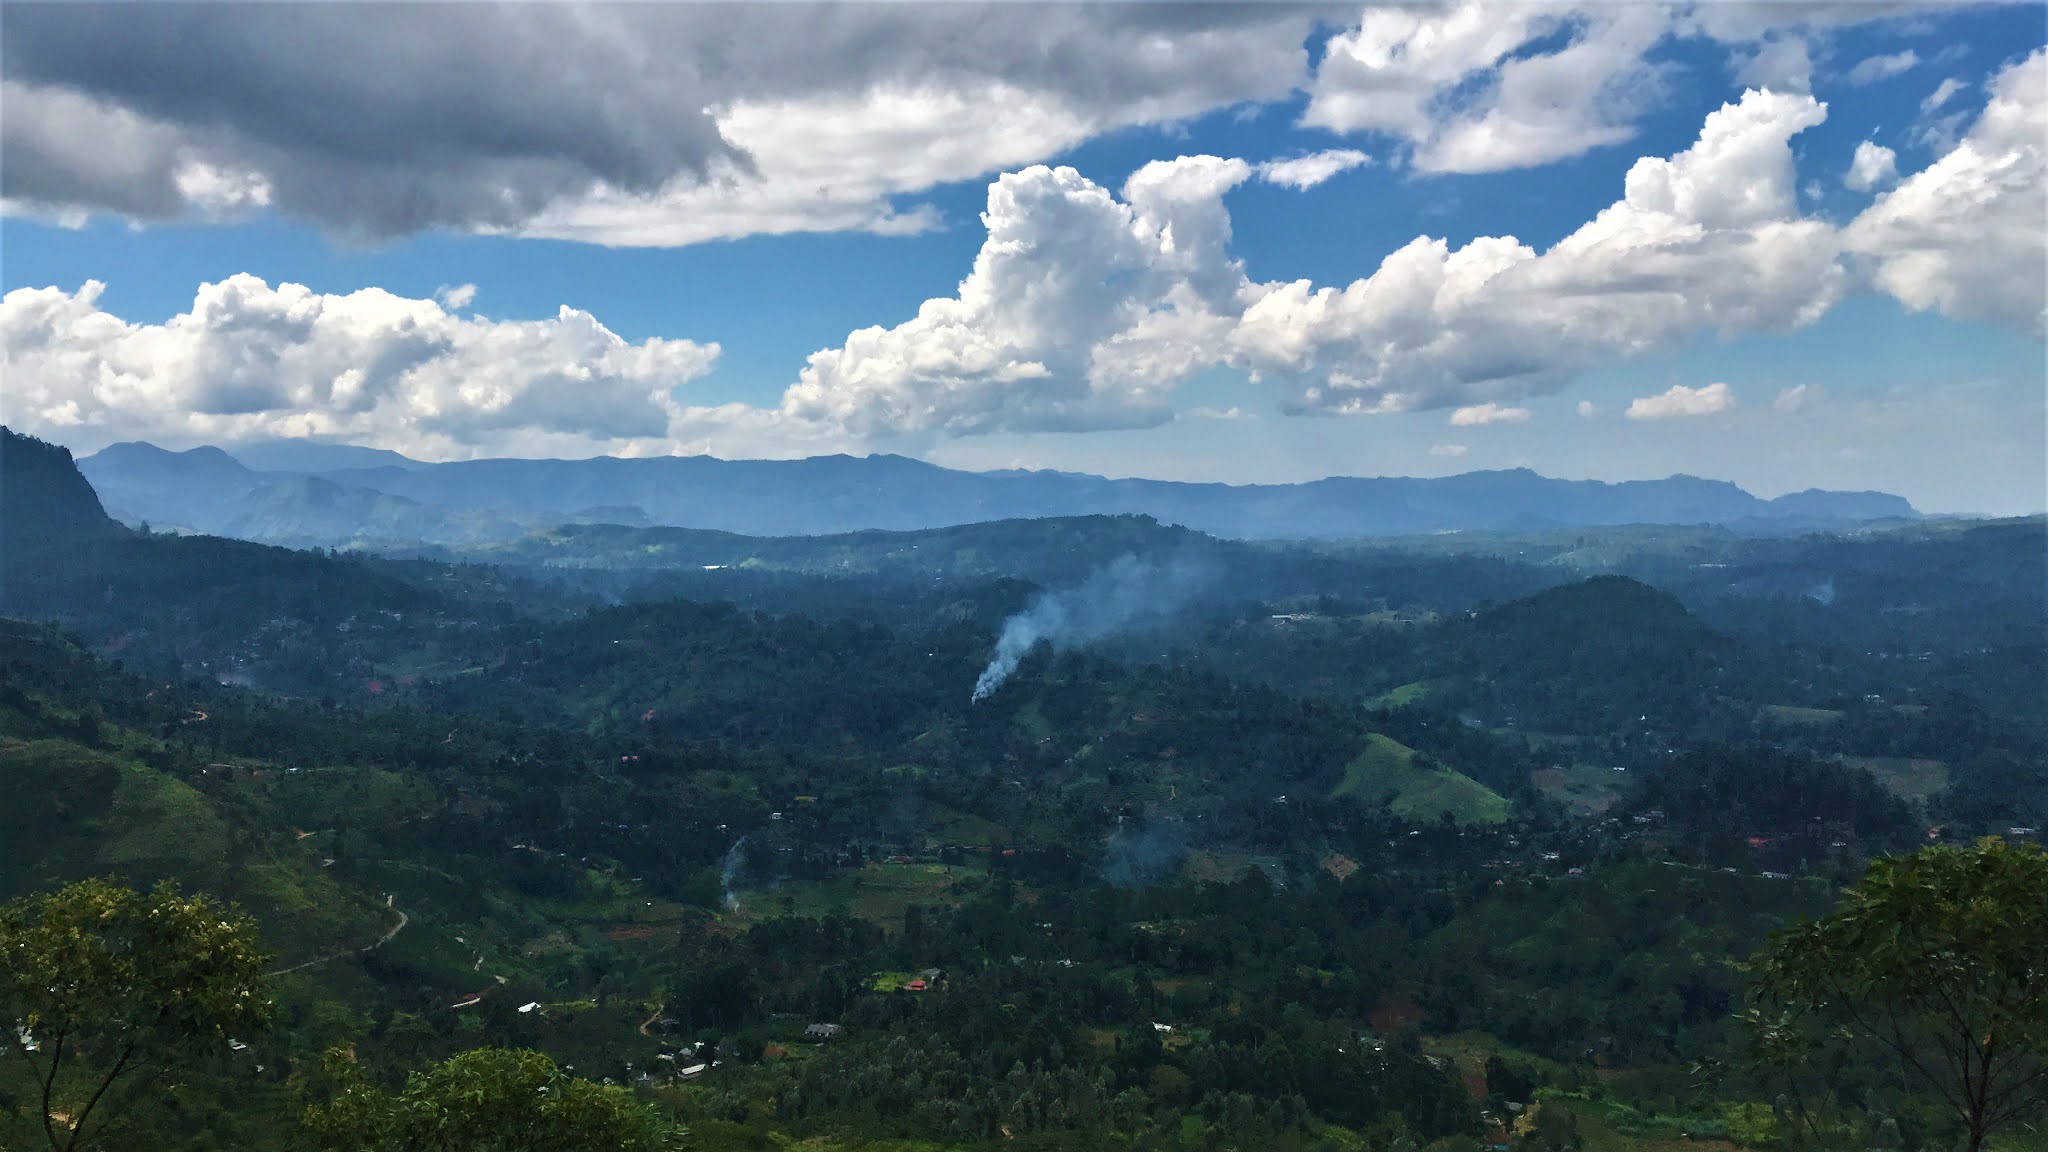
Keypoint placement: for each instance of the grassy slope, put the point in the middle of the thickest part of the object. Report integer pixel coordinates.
(1912, 780)
(1419, 792)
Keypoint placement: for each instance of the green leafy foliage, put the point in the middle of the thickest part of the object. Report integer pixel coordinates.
(1938, 959)
(483, 1100)
(112, 991)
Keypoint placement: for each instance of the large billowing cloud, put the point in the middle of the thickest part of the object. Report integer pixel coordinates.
(249, 361)
(629, 123)
(1082, 311)
(1964, 236)
(1708, 239)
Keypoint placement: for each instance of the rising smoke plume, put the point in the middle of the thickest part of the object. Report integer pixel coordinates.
(1125, 592)
(731, 870)
(1142, 854)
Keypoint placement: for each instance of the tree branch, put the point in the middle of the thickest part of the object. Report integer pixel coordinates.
(78, 1126)
(2012, 1102)
(50, 1087)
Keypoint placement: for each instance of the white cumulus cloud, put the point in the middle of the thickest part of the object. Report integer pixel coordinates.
(1965, 235)
(1395, 73)
(1709, 238)
(1679, 401)
(1081, 311)
(1483, 86)
(1085, 309)
(249, 360)
(1488, 413)
(1873, 164)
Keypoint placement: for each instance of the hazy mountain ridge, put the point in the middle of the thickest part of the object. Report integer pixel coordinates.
(470, 502)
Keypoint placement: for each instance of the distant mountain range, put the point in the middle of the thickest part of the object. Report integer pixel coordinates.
(312, 495)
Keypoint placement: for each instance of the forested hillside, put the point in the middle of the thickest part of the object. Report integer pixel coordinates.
(1255, 847)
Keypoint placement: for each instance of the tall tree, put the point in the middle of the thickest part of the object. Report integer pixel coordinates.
(1938, 960)
(105, 990)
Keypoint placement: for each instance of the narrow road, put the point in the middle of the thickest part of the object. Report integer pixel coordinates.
(649, 1022)
(331, 956)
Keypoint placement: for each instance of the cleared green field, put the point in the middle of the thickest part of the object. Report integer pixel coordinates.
(1907, 779)
(877, 892)
(1402, 696)
(1386, 770)
(1585, 789)
(1226, 867)
(946, 825)
(1790, 716)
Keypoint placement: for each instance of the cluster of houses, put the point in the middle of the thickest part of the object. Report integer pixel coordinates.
(687, 1063)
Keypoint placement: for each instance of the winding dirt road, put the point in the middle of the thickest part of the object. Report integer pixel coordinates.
(381, 941)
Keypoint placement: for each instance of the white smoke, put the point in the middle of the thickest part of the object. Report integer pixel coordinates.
(1126, 591)
(730, 870)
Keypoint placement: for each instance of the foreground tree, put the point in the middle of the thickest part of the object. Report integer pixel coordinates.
(484, 1100)
(104, 991)
(1938, 960)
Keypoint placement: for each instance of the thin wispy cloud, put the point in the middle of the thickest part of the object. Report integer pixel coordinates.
(1872, 69)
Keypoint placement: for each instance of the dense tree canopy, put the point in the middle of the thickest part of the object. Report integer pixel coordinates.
(1940, 960)
(1366, 850)
(483, 1100)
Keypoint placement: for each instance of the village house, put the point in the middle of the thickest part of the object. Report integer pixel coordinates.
(821, 1031)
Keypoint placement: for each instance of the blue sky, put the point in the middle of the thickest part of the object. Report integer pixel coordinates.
(1779, 295)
